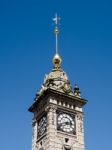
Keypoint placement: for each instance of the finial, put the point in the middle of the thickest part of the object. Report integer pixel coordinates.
(77, 91)
(56, 58)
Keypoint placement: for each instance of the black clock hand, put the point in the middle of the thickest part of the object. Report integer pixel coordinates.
(65, 123)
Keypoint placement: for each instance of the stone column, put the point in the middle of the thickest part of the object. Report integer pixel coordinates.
(80, 130)
(34, 134)
(51, 127)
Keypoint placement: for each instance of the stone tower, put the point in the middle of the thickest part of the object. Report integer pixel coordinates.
(57, 122)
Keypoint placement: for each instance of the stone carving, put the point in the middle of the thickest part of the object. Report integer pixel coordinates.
(53, 110)
(81, 127)
(67, 147)
(34, 122)
(77, 92)
(57, 80)
(79, 117)
(41, 149)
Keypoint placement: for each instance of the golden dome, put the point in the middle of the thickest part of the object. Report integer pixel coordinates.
(57, 61)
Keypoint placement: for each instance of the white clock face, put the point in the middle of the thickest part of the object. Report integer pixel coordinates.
(42, 125)
(66, 123)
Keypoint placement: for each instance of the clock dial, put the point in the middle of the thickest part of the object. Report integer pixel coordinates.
(66, 123)
(42, 125)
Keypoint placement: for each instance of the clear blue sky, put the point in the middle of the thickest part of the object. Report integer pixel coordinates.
(26, 50)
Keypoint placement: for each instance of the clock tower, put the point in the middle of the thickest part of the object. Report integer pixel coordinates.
(57, 109)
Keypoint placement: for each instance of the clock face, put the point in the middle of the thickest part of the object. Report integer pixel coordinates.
(42, 125)
(66, 123)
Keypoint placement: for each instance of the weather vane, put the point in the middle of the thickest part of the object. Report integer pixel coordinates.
(56, 20)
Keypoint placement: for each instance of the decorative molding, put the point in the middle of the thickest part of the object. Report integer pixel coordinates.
(79, 117)
(34, 121)
(41, 148)
(67, 147)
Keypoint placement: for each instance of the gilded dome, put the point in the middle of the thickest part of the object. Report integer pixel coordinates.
(57, 61)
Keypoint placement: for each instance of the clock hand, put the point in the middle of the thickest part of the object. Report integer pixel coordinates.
(66, 123)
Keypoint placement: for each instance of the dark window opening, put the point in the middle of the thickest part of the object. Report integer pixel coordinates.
(66, 140)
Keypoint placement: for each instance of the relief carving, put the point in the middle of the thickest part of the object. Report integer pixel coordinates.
(79, 117)
(53, 110)
(67, 147)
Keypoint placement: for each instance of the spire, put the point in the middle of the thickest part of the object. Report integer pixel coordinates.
(56, 20)
(56, 59)
(57, 79)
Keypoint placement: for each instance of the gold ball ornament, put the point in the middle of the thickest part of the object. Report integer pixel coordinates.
(56, 30)
(57, 61)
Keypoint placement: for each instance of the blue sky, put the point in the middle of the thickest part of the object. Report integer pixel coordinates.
(26, 50)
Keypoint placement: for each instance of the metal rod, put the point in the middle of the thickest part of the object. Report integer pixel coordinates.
(56, 43)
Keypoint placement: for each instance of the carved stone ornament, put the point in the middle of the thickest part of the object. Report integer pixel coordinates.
(67, 147)
(79, 117)
(57, 80)
(41, 148)
(34, 122)
(51, 108)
